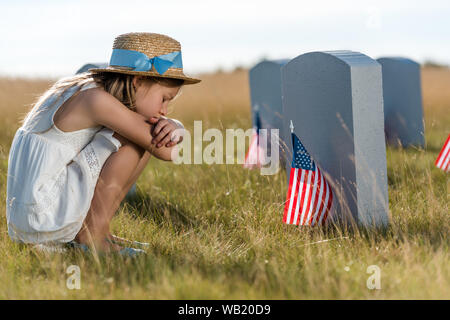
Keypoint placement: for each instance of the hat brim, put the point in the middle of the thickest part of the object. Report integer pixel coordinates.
(187, 80)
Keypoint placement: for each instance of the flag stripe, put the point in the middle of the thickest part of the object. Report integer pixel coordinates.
(288, 196)
(323, 205)
(298, 199)
(318, 197)
(301, 177)
(255, 156)
(311, 187)
(443, 158)
(323, 202)
(295, 198)
(287, 207)
(305, 192)
(446, 158)
(314, 196)
(250, 148)
(444, 149)
(291, 194)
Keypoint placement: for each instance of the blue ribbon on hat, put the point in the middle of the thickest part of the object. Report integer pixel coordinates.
(141, 62)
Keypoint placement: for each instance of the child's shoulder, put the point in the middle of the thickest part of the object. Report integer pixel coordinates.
(98, 101)
(93, 97)
(76, 114)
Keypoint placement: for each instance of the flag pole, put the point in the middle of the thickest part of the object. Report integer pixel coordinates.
(292, 137)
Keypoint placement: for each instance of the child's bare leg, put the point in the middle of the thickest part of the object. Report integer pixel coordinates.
(137, 172)
(118, 174)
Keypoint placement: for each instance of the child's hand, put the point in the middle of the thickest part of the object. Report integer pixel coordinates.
(163, 132)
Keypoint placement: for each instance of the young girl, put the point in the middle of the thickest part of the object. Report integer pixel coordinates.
(87, 140)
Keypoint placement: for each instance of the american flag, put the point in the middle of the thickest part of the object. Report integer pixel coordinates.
(309, 196)
(443, 160)
(255, 156)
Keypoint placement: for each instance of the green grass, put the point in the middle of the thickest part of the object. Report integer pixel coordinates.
(216, 232)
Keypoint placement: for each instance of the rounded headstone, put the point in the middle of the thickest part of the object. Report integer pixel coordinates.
(402, 93)
(265, 95)
(335, 101)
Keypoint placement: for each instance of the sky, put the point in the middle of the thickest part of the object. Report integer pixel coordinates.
(52, 38)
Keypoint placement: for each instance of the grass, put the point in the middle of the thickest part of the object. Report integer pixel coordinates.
(216, 231)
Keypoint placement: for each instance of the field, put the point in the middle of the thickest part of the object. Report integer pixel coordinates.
(216, 231)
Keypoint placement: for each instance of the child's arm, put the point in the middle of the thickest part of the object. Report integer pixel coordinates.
(107, 111)
(167, 131)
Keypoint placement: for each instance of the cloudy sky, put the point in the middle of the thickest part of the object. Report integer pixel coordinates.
(51, 38)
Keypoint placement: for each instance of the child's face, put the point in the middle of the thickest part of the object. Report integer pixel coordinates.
(152, 99)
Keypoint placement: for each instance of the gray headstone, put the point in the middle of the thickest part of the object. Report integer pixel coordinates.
(265, 94)
(88, 66)
(335, 101)
(403, 112)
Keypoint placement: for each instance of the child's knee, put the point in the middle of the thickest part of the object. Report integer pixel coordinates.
(124, 141)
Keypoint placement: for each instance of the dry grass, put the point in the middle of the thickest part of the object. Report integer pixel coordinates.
(216, 231)
(436, 98)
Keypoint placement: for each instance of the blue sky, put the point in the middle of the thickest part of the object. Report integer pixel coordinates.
(55, 38)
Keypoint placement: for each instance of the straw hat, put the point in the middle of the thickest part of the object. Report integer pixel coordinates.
(147, 54)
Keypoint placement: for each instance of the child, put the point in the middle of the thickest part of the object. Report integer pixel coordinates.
(87, 140)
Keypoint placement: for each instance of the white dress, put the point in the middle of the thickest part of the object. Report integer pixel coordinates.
(52, 175)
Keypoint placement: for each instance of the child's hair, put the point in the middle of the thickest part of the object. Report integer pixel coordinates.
(119, 85)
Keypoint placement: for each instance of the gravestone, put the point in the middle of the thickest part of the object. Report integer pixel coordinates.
(335, 101)
(403, 111)
(265, 95)
(88, 66)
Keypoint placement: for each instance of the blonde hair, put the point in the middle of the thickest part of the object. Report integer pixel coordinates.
(119, 85)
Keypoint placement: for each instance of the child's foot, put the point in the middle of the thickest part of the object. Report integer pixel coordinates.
(107, 247)
(104, 246)
(50, 248)
(125, 242)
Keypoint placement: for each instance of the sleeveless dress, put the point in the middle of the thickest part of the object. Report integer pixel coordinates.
(52, 174)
